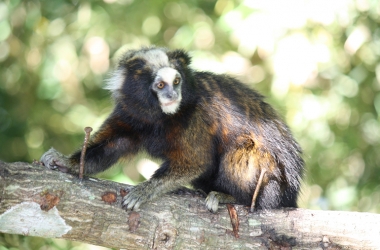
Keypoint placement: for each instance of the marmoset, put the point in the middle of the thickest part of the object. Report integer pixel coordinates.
(210, 130)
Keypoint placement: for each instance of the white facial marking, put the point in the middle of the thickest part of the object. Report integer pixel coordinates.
(171, 107)
(115, 82)
(156, 57)
(167, 75)
(168, 105)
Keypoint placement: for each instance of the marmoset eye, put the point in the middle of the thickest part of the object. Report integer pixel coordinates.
(160, 85)
(176, 81)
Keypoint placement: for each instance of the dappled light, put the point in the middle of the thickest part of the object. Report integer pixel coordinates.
(318, 63)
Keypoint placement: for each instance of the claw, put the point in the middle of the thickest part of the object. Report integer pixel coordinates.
(130, 204)
(54, 160)
(212, 202)
(136, 196)
(52, 165)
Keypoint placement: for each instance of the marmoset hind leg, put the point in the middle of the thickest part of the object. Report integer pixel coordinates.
(249, 175)
(214, 198)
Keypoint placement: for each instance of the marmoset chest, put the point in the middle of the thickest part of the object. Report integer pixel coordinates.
(178, 140)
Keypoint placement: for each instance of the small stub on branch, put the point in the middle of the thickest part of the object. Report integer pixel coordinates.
(234, 220)
(109, 197)
(48, 201)
(133, 221)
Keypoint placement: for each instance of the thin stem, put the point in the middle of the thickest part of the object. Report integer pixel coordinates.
(83, 153)
(257, 190)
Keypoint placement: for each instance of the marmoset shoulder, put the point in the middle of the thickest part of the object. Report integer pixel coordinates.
(210, 130)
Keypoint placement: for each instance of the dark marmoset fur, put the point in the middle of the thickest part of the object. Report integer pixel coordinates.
(210, 130)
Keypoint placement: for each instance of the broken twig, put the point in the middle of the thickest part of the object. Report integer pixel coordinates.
(257, 189)
(83, 153)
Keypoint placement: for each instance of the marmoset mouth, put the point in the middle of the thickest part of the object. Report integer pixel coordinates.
(169, 103)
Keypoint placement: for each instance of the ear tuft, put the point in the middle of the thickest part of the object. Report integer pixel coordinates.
(180, 56)
(115, 82)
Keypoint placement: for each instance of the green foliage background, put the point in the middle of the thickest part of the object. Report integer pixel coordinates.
(318, 62)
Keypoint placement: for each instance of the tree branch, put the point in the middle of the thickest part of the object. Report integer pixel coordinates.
(40, 202)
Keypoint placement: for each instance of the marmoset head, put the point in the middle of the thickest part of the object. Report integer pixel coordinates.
(151, 78)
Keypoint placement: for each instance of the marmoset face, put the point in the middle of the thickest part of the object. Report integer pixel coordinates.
(155, 66)
(167, 86)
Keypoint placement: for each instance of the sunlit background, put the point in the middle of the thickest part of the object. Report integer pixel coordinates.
(317, 61)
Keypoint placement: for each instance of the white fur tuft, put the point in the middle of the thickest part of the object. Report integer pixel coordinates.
(157, 58)
(170, 107)
(167, 75)
(115, 82)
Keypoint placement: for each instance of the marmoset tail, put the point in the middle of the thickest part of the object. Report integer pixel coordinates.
(210, 130)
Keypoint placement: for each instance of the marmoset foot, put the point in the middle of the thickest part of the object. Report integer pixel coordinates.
(214, 198)
(55, 160)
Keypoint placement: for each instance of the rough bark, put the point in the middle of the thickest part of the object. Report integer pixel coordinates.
(40, 202)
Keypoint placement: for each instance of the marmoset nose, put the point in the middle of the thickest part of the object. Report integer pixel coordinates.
(172, 95)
